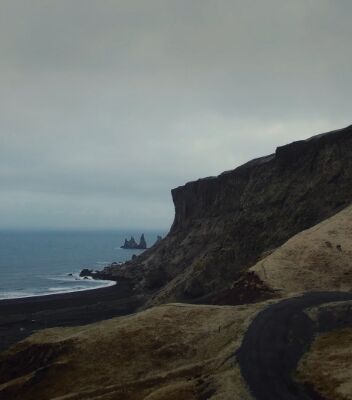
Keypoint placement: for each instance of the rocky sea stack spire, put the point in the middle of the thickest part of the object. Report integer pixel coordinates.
(142, 242)
(132, 244)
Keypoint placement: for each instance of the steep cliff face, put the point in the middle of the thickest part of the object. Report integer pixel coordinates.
(223, 225)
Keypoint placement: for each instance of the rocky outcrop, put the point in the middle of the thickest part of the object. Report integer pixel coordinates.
(103, 275)
(223, 225)
(85, 272)
(142, 242)
(132, 244)
(158, 239)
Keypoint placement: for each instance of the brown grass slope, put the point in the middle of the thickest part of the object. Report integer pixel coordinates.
(169, 352)
(319, 259)
(327, 366)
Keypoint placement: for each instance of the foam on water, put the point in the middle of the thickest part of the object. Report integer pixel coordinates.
(56, 290)
(41, 263)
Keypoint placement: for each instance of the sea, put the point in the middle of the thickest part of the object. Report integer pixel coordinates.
(46, 262)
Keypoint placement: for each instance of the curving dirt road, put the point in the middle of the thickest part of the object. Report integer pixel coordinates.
(276, 340)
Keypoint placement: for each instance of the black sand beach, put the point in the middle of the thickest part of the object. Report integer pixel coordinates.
(21, 317)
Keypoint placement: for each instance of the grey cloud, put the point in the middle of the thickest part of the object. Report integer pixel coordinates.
(105, 106)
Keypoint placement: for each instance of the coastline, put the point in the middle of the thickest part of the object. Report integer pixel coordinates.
(107, 282)
(20, 317)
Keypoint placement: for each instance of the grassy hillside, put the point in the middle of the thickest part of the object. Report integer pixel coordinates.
(169, 352)
(319, 258)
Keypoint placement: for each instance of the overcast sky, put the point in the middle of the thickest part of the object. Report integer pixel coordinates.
(106, 105)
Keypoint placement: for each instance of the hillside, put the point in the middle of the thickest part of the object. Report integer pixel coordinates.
(319, 258)
(175, 351)
(223, 225)
(327, 366)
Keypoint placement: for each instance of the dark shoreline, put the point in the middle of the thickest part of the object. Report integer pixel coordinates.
(21, 317)
(49, 297)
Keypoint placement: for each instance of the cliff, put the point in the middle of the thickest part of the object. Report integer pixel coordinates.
(223, 225)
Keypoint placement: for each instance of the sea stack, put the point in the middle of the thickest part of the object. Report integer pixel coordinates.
(142, 242)
(132, 244)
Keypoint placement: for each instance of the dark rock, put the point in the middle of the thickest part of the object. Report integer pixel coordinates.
(248, 289)
(158, 239)
(105, 274)
(114, 264)
(86, 272)
(224, 224)
(155, 278)
(132, 244)
(142, 242)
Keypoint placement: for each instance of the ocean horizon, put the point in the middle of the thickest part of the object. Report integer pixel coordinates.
(44, 262)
